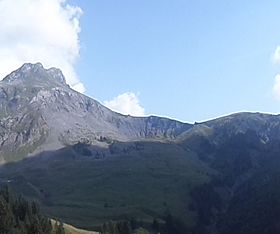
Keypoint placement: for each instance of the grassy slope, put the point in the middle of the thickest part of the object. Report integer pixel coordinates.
(69, 229)
(140, 183)
(72, 230)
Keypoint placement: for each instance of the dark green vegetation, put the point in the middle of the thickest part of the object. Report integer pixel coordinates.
(142, 180)
(244, 196)
(18, 216)
(220, 176)
(206, 182)
(202, 183)
(192, 186)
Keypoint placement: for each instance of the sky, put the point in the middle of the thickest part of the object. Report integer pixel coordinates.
(191, 60)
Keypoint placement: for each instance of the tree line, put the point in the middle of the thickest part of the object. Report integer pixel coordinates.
(165, 225)
(18, 216)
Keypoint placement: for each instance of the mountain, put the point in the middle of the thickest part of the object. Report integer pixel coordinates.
(90, 165)
(39, 111)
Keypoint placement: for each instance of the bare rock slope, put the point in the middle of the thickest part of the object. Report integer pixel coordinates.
(39, 111)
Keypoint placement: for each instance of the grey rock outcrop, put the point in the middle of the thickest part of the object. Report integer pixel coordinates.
(39, 111)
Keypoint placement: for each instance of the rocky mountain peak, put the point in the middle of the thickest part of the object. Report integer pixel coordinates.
(31, 66)
(35, 73)
(39, 111)
(56, 74)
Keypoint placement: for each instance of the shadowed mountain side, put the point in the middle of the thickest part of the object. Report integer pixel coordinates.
(243, 196)
(88, 185)
(203, 179)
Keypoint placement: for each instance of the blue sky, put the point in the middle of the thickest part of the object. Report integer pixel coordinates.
(188, 60)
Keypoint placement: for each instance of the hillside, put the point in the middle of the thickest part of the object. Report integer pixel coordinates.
(87, 165)
(39, 111)
(124, 184)
(69, 229)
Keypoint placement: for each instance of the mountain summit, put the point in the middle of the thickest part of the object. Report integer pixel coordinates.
(39, 111)
(36, 74)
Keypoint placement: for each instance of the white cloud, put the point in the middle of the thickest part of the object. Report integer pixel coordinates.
(276, 87)
(127, 104)
(276, 55)
(45, 31)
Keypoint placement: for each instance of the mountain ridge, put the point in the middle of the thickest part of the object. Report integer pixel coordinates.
(39, 111)
(39, 98)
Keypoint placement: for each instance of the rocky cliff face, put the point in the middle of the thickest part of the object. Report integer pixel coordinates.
(39, 111)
